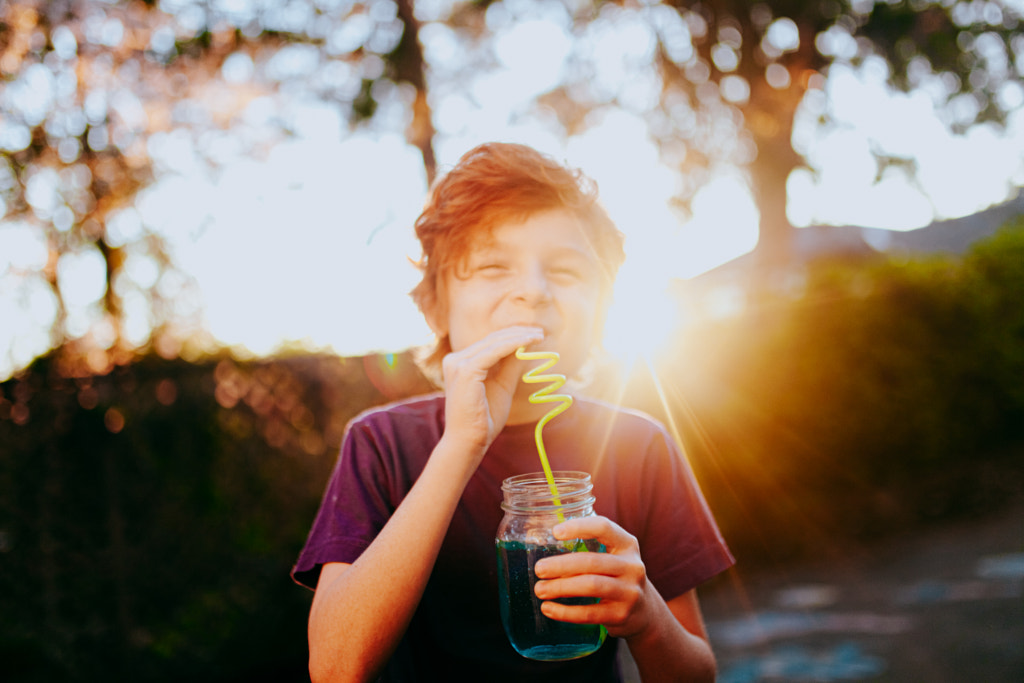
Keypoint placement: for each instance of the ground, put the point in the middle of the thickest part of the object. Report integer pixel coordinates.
(942, 605)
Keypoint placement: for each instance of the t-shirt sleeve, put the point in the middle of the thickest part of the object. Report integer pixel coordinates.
(356, 504)
(680, 542)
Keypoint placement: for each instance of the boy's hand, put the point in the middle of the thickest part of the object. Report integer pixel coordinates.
(479, 382)
(618, 577)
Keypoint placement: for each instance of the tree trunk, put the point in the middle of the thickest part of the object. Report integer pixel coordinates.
(769, 174)
(769, 114)
(409, 65)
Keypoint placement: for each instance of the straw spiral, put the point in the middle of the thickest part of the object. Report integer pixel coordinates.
(545, 395)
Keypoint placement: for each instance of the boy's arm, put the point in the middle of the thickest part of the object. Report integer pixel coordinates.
(675, 646)
(360, 611)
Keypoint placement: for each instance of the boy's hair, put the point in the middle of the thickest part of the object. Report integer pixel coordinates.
(497, 183)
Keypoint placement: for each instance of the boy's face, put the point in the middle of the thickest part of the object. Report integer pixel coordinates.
(541, 272)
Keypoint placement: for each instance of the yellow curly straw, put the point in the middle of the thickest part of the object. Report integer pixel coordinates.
(546, 395)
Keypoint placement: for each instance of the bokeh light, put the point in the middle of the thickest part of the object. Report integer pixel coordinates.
(279, 211)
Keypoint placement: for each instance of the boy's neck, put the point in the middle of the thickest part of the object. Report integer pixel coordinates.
(524, 412)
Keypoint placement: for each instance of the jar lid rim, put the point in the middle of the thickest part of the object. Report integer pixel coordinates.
(558, 475)
(532, 492)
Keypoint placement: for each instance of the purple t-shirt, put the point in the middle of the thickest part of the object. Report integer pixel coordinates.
(641, 481)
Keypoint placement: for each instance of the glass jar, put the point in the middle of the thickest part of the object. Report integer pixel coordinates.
(523, 537)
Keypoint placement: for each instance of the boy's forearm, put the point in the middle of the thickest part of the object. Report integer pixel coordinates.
(666, 651)
(357, 620)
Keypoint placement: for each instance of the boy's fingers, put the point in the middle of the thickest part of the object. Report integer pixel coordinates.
(486, 352)
(614, 538)
(574, 614)
(582, 586)
(616, 600)
(575, 564)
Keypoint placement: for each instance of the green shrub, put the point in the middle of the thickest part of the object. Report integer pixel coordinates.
(885, 395)
(149, 516)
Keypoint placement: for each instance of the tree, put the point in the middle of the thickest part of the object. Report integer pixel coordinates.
(748, 66)
(98, 93)
(99, 97)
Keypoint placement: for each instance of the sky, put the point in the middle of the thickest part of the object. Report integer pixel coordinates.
(310, 243)
(313, 243)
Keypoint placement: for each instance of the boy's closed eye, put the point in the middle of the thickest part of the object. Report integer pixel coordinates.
(492, 268)
(567, 271)
(571, 270)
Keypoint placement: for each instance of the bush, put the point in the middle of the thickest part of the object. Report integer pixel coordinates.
(886, 395)
(151, 514)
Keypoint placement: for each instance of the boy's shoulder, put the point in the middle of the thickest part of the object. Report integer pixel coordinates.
(407, 425)
(618, 418)
(420, 408)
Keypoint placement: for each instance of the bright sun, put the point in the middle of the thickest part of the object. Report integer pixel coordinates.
(661, 247)
(640, 322)
(644, 317)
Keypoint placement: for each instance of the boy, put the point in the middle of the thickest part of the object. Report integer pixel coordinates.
(517, 252)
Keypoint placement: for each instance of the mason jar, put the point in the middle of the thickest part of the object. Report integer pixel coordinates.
(524, 536)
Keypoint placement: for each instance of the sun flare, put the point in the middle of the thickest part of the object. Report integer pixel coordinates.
(641, 321)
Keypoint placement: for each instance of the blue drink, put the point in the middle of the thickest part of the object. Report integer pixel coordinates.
(532, 634)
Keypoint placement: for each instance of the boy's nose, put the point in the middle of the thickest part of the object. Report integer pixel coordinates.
(532, 287)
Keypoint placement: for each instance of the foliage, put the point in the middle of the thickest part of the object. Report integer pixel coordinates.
(726, 81)
(102, 98)
(885, 395)
(149, 516)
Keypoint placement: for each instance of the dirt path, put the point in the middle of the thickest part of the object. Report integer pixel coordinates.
(946, 605)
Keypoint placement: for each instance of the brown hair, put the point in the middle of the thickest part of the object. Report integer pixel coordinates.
(492, 184)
